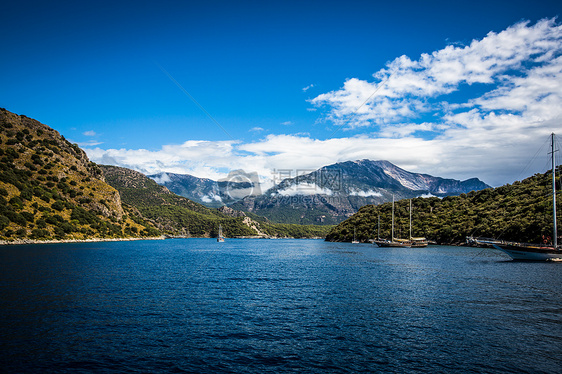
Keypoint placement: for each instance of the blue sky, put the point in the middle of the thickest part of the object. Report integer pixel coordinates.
(291, 85)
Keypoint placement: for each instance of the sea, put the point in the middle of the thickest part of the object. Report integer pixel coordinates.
(275, 306)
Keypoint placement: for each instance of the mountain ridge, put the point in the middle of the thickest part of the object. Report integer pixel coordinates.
(332, 193)
(176, 215)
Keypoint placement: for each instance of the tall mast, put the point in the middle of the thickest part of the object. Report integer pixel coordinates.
(392, 218)
(379, 228)
(555, 231)
(410, 219)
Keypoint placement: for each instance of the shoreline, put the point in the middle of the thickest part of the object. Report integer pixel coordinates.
(98, 240)
(62, 241)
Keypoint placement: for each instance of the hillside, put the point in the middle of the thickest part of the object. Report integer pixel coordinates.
(177, 215)
(173, 214)
(50, 190)
(521, 212)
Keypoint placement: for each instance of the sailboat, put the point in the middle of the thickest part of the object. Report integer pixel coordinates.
(536, 252)
(393, 242)
(354, 241)
(220, 238)
(415, 242)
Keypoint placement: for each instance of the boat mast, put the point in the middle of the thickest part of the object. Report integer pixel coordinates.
(392, 236)
(379, 228)
(555, 231)
(410, 219)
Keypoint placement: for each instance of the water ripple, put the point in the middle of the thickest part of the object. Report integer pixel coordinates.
(259, 306)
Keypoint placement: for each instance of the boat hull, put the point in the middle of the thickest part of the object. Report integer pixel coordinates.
(389, 244)
(529, 253)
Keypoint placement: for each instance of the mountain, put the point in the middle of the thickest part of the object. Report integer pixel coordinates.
(50, 190)
(381, 172)
(172, 214)
(335, 192)
(201, 190)
(213, 194)
(517, 212)
(177, 215)
(373, 179)
(326, 196)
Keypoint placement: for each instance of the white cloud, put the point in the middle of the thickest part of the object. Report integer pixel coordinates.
(256, 129)
(287, 123)
(307, 87)
(496, 160)
(213, 160)
(407, 88)
(200, 158)
(305, 189)
(89, 133)
(90, 143)
(490, 132)
(428, 195)
(211, 198)
(368, 193)
(161, 178)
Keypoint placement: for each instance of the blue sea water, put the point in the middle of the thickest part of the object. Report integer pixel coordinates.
(258, 306)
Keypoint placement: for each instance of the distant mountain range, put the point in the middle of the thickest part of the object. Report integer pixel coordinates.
(176, 215)
(326, 196)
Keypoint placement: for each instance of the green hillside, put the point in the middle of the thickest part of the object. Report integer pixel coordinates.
(309, 211)
(520, 212)
(290, 230)
(50, 190)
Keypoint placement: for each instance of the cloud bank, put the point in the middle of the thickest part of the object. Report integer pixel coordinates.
(480, 110)
(503, 64)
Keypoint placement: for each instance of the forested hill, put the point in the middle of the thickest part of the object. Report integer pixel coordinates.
(50, 190)
(520, 212)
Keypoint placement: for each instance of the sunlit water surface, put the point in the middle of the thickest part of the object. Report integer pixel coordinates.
(255, 306)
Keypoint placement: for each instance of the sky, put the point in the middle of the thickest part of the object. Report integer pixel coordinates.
(452, 89)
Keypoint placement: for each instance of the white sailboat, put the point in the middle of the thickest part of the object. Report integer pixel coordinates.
(355, 241)
(393, 242)
(416, 242)
(220, 238)
(536, 252)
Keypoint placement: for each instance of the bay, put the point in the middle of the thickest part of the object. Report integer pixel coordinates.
(255, 306)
